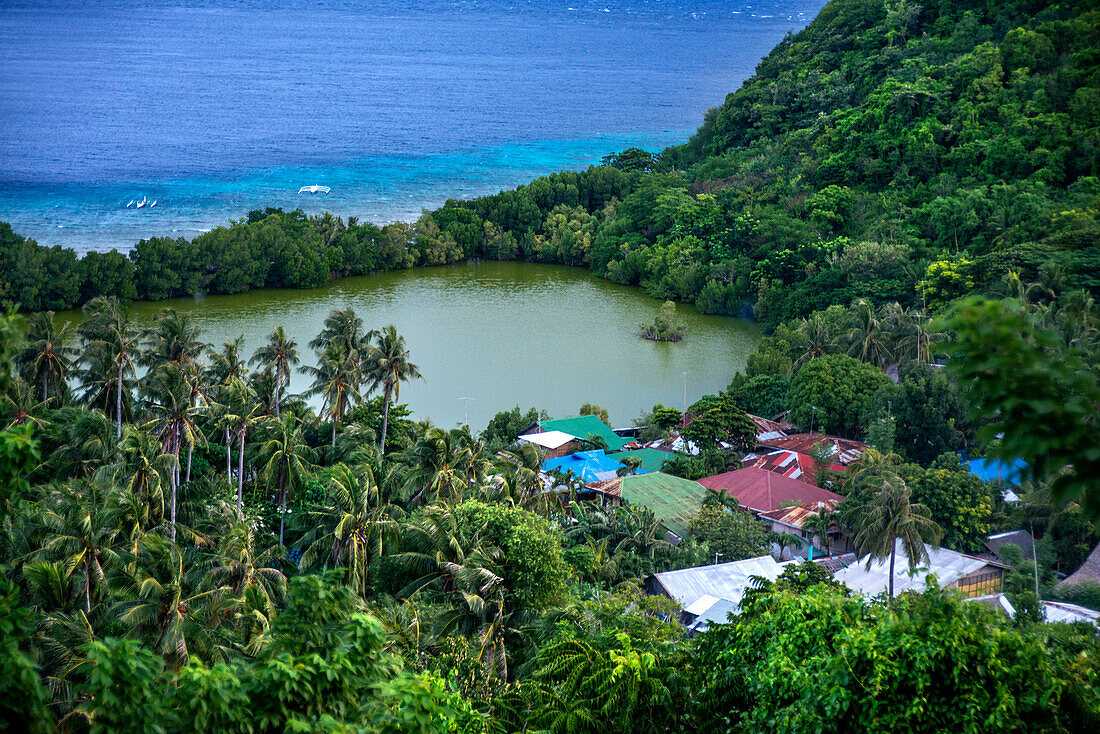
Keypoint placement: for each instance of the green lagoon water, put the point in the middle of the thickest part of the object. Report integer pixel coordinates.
(500, 334)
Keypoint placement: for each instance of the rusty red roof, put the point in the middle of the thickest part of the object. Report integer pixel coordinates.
(795, 516)
(790, 464)
(761, 490)
(845, 451)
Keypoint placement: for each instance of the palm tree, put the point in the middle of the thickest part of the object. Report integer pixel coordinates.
(47, 358)
(240, 413)
(141, 471)
(819, 337)
(889, 519)
(79, 527)
(170, 394)
(21, 405)
(288, 460)
(343, 328)
(166, 604)
(336, 378)
(227, 365)
(630, 466)
(278, 355)
(174, 339)
(867, 336)
(109, 356)
(444, 464)
(388, 366)
(238, 565)
(352, 529)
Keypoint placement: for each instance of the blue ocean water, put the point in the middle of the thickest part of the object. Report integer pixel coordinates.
(214, 108)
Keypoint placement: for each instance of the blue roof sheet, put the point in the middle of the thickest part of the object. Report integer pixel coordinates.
(590, 466)
(994, 470)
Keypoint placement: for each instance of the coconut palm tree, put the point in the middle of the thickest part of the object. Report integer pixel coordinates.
(288, 459)
(387, 367)
(819, 336)
(170, 394)
(227, 365)
(444, 464)
(174, 339)
(163, 601)
(278, 356)
(237, 564)
(109, 357)
(79, 527)
(47, 357)
(343, 328)
(889, 519)
(630, 466)
(21, 405)
(867, 336)
(353, 528)
(335, 378)
(141, 471)
(240, 414)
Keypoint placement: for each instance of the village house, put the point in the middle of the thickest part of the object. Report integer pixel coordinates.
(785, 505)
(970, 575)
(673, 500)
(576, 431)
(709, 594)
(843, 451)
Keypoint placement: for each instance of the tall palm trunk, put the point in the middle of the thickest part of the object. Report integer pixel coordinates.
(893, 552)
(282, 493)
(385, 415)
(228, 459)
(278, 385)
(190, 453)
(240, 474)
(118, 405)
(87, 584)
(45, 386)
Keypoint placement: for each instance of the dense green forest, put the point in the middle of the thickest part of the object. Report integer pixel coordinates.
(186, 546)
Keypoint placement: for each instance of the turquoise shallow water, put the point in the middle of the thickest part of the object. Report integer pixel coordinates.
(95, 216)
(214, 107)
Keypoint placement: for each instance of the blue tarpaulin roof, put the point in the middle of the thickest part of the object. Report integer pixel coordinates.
(590, 466)
(995, 470)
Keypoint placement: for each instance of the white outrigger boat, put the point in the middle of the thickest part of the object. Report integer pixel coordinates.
(141, 203)
(314, 189)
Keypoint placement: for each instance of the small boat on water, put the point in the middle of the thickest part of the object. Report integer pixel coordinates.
(142, 202)
(130, 204)
(153, 204)
(314, 189)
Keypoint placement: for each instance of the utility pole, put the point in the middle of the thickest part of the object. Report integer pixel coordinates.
(685, 393)
(812, 415)
(466, 406)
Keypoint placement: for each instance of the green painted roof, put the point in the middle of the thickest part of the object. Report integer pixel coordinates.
(584, 425)
(674, 500)
(652, 459)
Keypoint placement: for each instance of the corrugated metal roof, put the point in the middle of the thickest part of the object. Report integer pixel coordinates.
(845, 451)
(1060, 611)
(582, 426)
(791, 464)
(718, 612)
(652, 459)
(589, 466)
(761, 490)
(795, 516)
(674, 500)
(948, 565)
(720, 581)
(548, 439)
